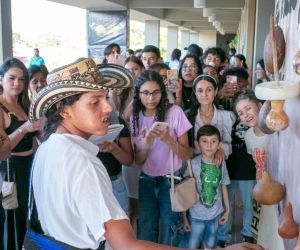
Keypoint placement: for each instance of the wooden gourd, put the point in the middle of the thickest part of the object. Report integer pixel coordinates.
(268, 191)
(288, 228)
(263, 112)
(279, 40)
(277, 119)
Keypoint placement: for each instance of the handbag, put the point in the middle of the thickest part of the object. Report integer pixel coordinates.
(9, 192)
(183, 195)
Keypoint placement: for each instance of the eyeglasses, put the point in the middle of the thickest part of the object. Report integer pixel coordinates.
(192, 67)
(154, 94)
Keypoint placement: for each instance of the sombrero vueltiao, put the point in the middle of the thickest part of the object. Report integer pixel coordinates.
(80, 76)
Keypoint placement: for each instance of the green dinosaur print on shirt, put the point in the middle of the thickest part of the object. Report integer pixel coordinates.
(210, 177)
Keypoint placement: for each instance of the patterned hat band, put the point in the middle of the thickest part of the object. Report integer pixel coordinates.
(79, 77)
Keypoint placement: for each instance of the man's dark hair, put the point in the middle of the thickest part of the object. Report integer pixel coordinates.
(130, 52)
(233, 51)
(215, 51)
(153, 49)
(208, 130)
(235, 71)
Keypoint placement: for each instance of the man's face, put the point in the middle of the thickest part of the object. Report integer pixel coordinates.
(148, 58)
(36, 52)
(213, 60)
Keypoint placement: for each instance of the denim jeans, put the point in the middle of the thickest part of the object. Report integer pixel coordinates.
(120, 192)
(245, 188)
(203, 231)
(155, 215)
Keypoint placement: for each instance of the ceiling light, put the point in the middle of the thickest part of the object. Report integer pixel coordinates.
(199, 3)
(207, 12)
(212, 18)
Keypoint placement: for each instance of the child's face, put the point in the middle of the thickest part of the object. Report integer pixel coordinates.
(150, 95)
(247, 111)
(209, 144)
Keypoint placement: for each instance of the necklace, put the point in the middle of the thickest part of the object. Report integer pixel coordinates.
(207, 115)
(206, 118)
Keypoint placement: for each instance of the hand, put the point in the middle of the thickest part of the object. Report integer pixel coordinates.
(107, 147)
(147, 137)
(162, 134)
(228, 90)
(186, 224)
(178, 88)
(29, 127)
(224, 218)
(219, 157)
(244, 246)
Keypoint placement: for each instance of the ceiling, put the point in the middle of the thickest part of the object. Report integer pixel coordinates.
(195, 15)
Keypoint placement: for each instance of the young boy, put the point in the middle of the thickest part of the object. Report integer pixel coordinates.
(211, 181)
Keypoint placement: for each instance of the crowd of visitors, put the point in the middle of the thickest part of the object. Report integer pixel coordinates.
(115, 194)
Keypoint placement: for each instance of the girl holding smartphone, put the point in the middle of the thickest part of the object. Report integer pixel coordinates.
(153, 146)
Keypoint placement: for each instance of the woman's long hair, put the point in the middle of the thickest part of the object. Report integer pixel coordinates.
(23, 98)
(242, 58)
(163, 105)
(262, 65)
(196, 60)
(53, 117)
(195, 105)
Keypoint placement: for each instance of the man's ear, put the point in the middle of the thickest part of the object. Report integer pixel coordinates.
(65, 113)
(220, 145)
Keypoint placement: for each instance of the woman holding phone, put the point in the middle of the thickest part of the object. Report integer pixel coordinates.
(153, 146)
(203, 111)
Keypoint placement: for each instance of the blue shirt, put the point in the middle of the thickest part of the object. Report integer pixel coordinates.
(36, 61)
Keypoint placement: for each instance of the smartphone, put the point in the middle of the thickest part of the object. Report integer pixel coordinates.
(159, 125)
(231, 79)
(172, 76)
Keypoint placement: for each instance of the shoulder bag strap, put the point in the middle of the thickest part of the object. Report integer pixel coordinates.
(7, 166)
(190, 168)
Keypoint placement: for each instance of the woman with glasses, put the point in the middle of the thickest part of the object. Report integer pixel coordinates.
(153, 146)
(190, 68)
(203, 111)
(174, 88)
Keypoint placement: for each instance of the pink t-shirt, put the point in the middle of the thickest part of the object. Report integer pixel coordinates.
(158, 162)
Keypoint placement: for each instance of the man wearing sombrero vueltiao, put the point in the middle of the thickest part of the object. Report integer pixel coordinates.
(71, 187)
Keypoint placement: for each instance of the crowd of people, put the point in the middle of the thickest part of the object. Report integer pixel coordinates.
(116, 195)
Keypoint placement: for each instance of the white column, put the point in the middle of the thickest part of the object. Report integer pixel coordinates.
(194, 38)
(207, 38)
(185, 39)
(5, 30)
(172, 40)
(152, 32)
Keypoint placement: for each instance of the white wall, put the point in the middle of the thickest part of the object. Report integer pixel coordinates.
(207, 38)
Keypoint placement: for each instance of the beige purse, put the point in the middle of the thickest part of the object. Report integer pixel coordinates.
(9, 192)
(183, 195)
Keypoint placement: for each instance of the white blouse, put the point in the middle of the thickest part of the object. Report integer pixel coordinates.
(223, 120)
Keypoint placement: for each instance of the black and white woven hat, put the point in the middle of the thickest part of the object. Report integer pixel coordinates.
(80, 76)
